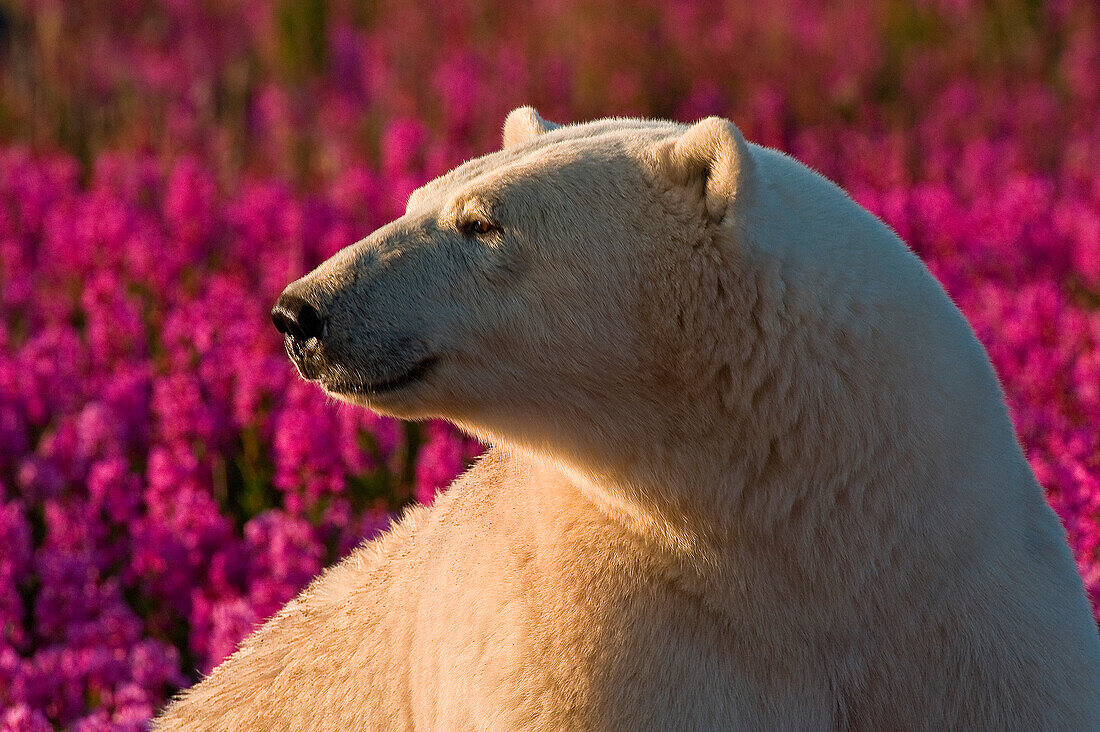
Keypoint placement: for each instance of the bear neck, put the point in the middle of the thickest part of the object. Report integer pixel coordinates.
(755, 458)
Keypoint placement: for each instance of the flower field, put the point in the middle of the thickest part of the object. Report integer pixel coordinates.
(166, 479)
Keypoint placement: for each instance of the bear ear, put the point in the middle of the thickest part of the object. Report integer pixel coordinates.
(524, 124)
(711, 157)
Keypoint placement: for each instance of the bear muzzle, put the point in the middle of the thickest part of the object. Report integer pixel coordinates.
(394, 362)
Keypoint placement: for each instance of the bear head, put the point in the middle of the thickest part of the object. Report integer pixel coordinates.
(622, 296)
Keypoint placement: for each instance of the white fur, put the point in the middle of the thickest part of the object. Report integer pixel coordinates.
(750, 468)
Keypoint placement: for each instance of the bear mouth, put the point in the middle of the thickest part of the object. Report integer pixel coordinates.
(414, 373)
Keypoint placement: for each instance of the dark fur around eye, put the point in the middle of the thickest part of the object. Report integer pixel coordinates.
(478, 227)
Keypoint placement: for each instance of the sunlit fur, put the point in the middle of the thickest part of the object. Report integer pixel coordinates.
(750, 469)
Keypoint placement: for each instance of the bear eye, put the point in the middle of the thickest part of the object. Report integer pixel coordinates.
(478, 227)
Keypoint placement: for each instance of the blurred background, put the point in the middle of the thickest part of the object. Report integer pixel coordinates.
(166, 168)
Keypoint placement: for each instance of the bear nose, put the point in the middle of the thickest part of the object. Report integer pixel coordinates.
(293, 315)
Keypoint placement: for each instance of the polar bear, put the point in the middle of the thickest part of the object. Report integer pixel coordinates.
(749, 466)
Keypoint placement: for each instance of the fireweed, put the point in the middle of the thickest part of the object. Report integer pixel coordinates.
(167, 481)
